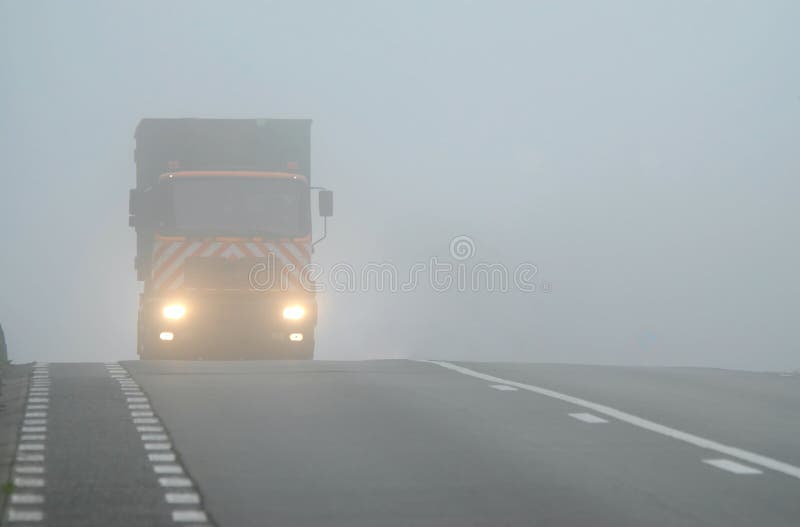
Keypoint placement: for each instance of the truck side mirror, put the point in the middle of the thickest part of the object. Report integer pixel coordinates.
(326, 203)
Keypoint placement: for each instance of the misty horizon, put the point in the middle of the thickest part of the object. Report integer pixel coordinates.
(642, 158)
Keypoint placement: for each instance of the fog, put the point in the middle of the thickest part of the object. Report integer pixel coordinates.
(643, 156)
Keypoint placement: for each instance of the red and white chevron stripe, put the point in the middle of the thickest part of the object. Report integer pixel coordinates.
(170, 254)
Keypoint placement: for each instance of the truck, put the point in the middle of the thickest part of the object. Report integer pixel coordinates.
(222, 215)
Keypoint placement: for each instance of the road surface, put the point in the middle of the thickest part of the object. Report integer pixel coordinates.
(405, 443)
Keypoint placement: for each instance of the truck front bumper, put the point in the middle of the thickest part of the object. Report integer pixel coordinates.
(228, 325)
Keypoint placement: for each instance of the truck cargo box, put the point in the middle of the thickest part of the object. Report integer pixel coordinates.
(278, 145)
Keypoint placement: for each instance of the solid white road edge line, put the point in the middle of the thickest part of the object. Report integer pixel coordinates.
(738, 453)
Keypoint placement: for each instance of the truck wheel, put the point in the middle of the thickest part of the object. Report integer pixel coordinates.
(145, 351)
(303, 350)
(140, 340)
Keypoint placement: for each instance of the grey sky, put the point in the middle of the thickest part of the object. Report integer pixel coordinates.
(644, 155)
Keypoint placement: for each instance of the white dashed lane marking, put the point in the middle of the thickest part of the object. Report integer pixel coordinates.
(503, 387)
(30, 446)
(29, 469)
(732, 466)
(28, 482)
(588, 418)
(170, 474)
(725, 464)
(189, 516)
(167, 469)
(157, 446)
(26, 499)
(154, 437)
(141, 429)
(23, 515)
(29, 463)
(33, 437)
(182, 498)
(24, 457)
(33, 429)
(159, 457)
(177, 482)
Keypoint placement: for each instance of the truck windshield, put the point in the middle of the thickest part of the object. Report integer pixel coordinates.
(231, 205)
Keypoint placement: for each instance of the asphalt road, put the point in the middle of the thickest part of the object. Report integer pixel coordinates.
(391, 443)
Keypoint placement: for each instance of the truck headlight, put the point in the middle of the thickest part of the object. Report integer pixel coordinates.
(174, 311)
(294, 312)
